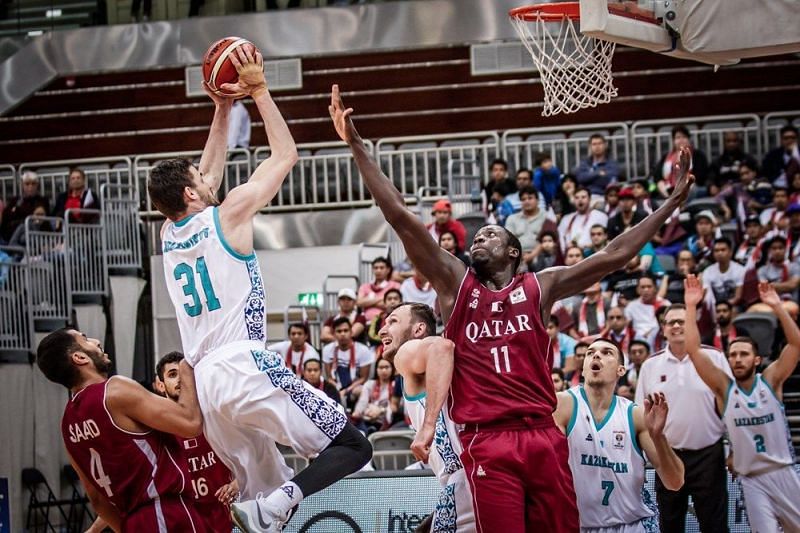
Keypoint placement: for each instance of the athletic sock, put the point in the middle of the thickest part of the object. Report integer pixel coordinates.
(285, 497)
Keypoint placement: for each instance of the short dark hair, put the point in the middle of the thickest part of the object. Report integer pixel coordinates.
(639, 342)
(541, 157)
(646, 275)
(679, 129)
(580, 344)
(553, 320)
(524, 169)
(557, 371)
(777, 238)
(301, 325)
(52, 357)
(747, 340)
(787, 128)
(752, 165)
(723, 302)
(171, 357)
(602, 227)
(724, 240)
(339, 321)
(386, 261)
(421, 313)
(674, 307)
(393, 291)
(498, 161)
(530, 190)
(615, 344)
(548, 233)
(312, 360)
(597, 136)
(584, 189)
(165, 186)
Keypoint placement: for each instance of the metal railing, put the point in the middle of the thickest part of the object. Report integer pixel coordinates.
(54, 175)
(325, 174)
(651, 139)
(9, 184)
(16, 328)
(772, 124)
(366, 254)
(48, 270)
(121, 227)
(414, 162)
(330, 291)
(567, 145)
(85, 250)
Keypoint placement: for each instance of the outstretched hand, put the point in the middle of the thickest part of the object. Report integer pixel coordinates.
(685, 178)
(218, 99)
(692, 291)
(341, 116)
(251, 72)
(655, 414)
(768, 294)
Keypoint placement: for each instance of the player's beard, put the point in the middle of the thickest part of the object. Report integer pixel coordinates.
(102, 366)
(390, 351)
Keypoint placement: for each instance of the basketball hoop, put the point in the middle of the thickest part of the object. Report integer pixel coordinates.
(575, 68)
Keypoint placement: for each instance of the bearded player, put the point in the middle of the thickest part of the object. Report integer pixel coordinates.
(119, 437)
(515, 457)
(609, 437)
(752, 409)
(249, 399)
(426, 364)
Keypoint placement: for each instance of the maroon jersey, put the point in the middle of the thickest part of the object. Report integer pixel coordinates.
(502, 353)
(139, 473)
(207, 474)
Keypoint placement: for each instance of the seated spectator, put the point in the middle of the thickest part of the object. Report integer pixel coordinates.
(793, 232)
(498, 174)
(562, 345)
(598, 170)
(749, 250)
(373, 409)
(794, 186)
(18, 238)
(664, 173)
(17, 209)
(391, 299)
(641, 193)
(312, 373)
(573, 370)
(575, 228)
(296, 350)
(783, 274)
(774, 217)
(418, 289)
(449, 243)
(548, 253)
(624, 282)
(724, 170)
(611, 201)
(528, 223)
(547, 179)
(512, 204)
(443, 221)
(701, 244)
(638, 352)
(735, 198)
(77, 196)
(589, 316)
(777, 161)
(618, 329)
(370, 295)
(627, 215)
(725, 277)
(572, 256)
(559, 383)
(671, 286)
(346, 299)
(641, 312)
(599, 238)
(658, 340)
(353, 361)
(564, 202)
(724, 331)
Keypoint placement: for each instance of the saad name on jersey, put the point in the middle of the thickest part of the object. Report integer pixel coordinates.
(83, 431)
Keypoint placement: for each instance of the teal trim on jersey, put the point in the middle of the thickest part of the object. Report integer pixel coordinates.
(766, 384)
(414, 398)
(632, 429)
(574, 416)
(752, 387)
(185, 220)
(727, 397)
(608, 414)
(233, 253)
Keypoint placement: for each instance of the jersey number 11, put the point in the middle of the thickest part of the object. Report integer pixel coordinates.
(497, 353)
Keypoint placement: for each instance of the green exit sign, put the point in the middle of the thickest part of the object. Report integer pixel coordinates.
(313, 299)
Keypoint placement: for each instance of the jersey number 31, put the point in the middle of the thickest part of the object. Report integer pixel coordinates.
(186, 273)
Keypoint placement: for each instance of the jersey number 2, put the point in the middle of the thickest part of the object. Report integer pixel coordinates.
(496, 354)
(760, 446)
(185, 272)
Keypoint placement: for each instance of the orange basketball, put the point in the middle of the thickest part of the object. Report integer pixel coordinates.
(217, 66)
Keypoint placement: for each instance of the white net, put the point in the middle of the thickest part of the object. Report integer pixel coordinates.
(575, 69)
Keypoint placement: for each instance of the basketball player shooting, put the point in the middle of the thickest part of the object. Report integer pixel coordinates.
(249, 399)
(514, 456)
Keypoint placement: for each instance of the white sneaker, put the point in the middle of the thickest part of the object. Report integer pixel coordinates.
(257, 516)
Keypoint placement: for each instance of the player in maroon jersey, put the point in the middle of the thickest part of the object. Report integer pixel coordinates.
(501, 390)
(212, 487)
(115, 432)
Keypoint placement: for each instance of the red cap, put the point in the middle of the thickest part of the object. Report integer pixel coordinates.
(627, 192)
(442, 205)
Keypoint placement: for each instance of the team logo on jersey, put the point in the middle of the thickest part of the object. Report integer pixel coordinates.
(188, 444)
(736, 405)
(473, 304)
(619, 440)
(476, 293)
(481, 471)
(589, 438)
(497, 307)
(518, 295)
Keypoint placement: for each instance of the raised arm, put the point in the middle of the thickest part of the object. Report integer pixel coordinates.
(442, 269)
(244, 201)
(649, 426)
(783, 367)
(559, 282)
(212, 162)
(713, 376)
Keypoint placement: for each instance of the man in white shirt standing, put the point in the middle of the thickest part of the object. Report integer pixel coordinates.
(694, 430)
(641, 312)
(575, 227)
(418, 289)
(296, 350)
(347, 362)
(725, 278)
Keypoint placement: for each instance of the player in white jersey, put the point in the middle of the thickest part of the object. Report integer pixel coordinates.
(426, 364)
(608, 438)
(752, 409)
(249, 399)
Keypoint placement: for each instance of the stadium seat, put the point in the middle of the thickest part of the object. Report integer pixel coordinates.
(761, 327)
(472, 222)
(79, 514)
(667, 263)
(391, 449)
(39, 516)
(703, 204)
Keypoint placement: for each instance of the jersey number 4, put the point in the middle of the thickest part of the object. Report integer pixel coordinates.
(186, 273)
(97, 472)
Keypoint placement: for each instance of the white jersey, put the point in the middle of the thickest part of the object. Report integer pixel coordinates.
(757, 429)
(607, 464)
(218, 293)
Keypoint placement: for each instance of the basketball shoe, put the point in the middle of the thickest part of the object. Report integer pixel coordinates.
(258, 516)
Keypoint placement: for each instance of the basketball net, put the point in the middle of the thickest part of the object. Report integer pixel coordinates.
(575, 69)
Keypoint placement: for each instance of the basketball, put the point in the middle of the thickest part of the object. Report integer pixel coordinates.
(218, 69)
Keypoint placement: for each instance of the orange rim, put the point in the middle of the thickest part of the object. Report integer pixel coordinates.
(554, 12)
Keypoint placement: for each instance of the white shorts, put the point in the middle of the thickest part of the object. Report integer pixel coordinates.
(454, 512)
(773, 498)
(250, 401)
(645, 525)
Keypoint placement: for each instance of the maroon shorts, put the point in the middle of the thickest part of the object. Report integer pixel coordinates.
(520, 477)
(175, 514)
